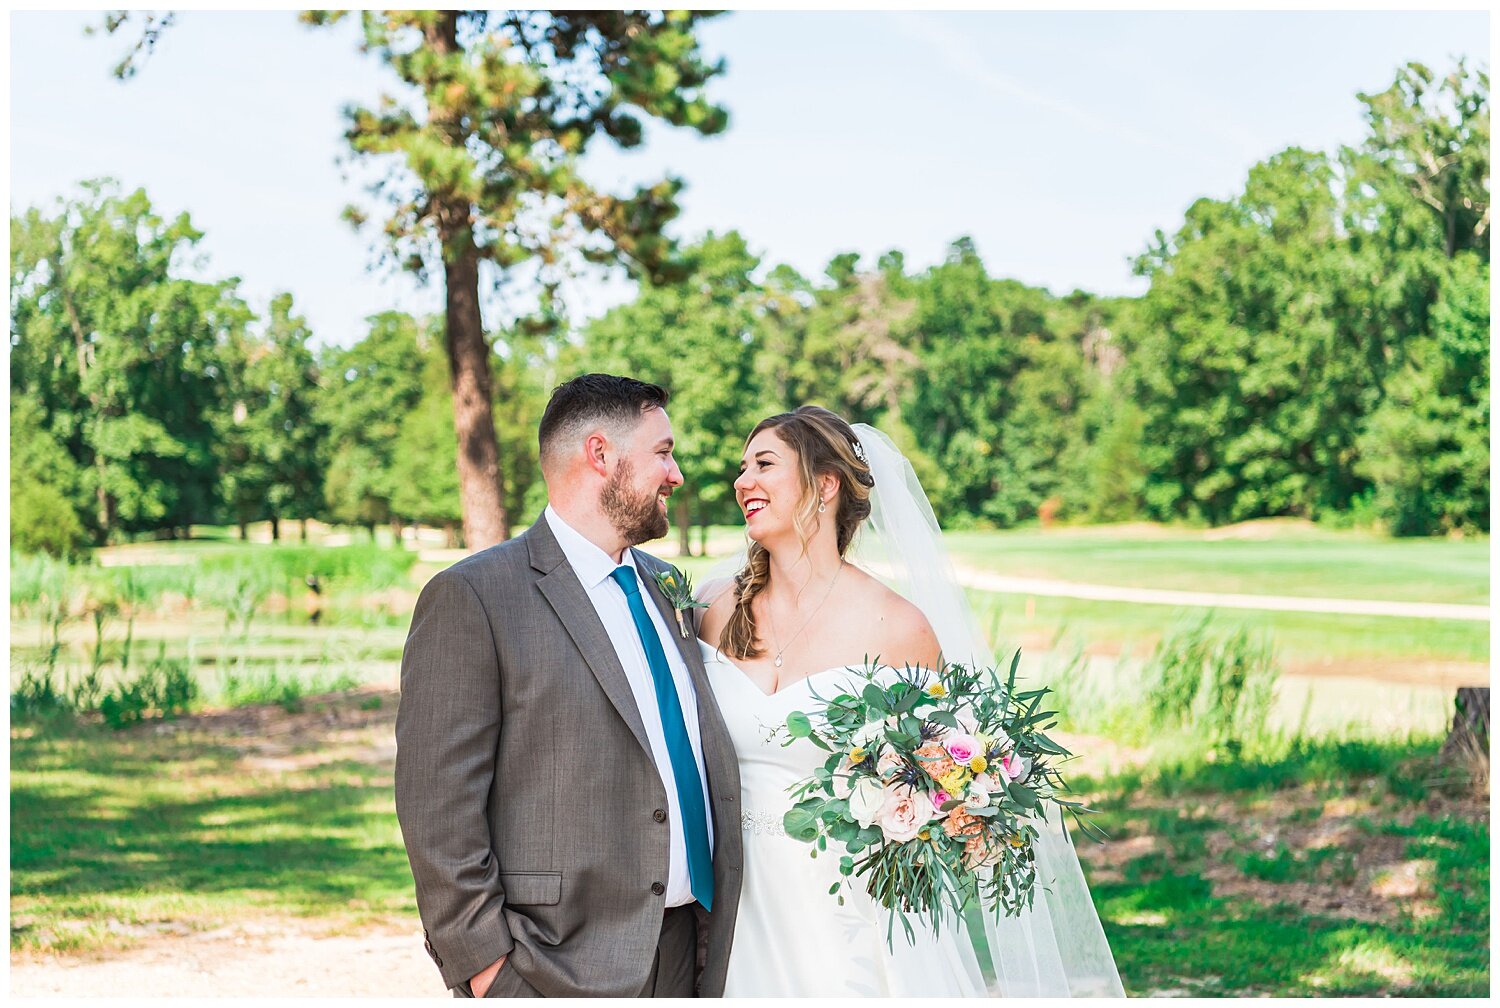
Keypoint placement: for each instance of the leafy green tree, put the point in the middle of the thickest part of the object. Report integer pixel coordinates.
(997, 393)
(1426, 447)
(272, 441)
(1430, 143)
(1250, 376)
(368, 392)
(843, 345)
(124, 358)
(424, 484)
(696, 338)
(46, 486)
(483, 145)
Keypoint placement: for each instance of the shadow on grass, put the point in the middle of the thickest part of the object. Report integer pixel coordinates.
(99, 818)
(1172, 930)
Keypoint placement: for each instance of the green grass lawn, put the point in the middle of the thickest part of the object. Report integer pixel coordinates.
(1296, 560)
(116, 836)
(1336, 869)
(1300, 638)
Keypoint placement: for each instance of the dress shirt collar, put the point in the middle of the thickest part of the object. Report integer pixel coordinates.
(589, 562)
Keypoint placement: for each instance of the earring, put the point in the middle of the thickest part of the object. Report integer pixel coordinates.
(823, 506)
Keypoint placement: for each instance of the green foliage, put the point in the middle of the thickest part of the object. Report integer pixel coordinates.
(271, 441)
(38, 696)
(1426, 447)
(45, 487)
(1220, 689)
(288, 690)
(370, 390)
(123, 359)
(498, 110)
(1271, 385)
(423, 477)
(165, 688)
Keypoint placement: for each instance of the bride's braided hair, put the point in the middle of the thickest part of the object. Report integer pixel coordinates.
(825, 446)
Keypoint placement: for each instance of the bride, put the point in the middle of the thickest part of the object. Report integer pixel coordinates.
(816, 494)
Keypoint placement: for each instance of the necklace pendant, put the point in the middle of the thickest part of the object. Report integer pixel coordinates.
(777, 662)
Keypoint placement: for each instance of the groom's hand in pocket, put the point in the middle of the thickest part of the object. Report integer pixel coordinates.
(481, 981)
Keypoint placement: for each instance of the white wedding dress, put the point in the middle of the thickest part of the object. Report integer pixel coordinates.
(791, 938)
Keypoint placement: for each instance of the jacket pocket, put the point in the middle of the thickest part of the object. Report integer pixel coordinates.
(532, 888)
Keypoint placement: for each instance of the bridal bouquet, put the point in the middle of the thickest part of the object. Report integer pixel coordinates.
(932, 786)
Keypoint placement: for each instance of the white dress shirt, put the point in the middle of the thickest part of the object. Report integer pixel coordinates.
(593, 567)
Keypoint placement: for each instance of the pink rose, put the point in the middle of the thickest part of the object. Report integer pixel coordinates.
(941, 798)
(1009, 766)
(905, 812)
(962, 747)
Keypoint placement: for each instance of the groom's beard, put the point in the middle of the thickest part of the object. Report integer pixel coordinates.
(637, 518)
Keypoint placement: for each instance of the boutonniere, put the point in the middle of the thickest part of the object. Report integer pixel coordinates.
(678, 589)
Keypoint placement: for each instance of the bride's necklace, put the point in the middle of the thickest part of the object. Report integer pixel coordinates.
(771, 620)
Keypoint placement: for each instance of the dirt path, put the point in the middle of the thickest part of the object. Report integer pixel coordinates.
(280, 959)
(986, 581)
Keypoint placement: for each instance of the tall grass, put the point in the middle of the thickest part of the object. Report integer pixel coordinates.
(1200, 687)
(234, 582)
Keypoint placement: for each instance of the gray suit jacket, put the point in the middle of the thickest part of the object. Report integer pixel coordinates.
(525, 786)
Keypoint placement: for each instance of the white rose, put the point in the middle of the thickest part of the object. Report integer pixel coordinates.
(980, 788)
(866, 799)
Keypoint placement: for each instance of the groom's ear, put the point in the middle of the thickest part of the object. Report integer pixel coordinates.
(596, 449)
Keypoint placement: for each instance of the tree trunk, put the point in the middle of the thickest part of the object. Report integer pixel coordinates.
(479, 479)
(275, 528)
(1469, 737)
(304, 530)
(480, 490)
(684, 524)
(244, 530)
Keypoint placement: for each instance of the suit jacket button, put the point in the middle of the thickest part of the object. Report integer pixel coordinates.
(659, 815)
(657, 888)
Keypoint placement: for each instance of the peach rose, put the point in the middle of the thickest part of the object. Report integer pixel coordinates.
(905, 812)
(960, 824)
(978, 852)
(888, 764)
(934, 761)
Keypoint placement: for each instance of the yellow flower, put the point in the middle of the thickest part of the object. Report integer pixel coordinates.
(671, 581)
(1016, 840)
(937, 690)
(857, 755)
(956, 781)
(978, 764)
(925, 835)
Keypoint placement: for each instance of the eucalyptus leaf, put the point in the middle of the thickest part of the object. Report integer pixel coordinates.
(800, 824)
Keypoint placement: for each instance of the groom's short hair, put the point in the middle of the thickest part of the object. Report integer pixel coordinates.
(591, 401)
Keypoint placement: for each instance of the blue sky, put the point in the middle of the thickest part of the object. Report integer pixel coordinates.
(1059, 142)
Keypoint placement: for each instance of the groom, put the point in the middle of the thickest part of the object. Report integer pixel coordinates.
(566, 787)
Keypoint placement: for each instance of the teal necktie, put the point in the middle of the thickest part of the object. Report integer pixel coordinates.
(679, 748)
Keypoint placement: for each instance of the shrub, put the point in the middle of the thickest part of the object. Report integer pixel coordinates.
(37, 696)
(1223, 689)
(165, 688)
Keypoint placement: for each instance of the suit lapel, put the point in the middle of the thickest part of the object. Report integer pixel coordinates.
(564, 592)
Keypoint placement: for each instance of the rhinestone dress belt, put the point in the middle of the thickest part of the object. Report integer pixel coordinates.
(761, 823)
